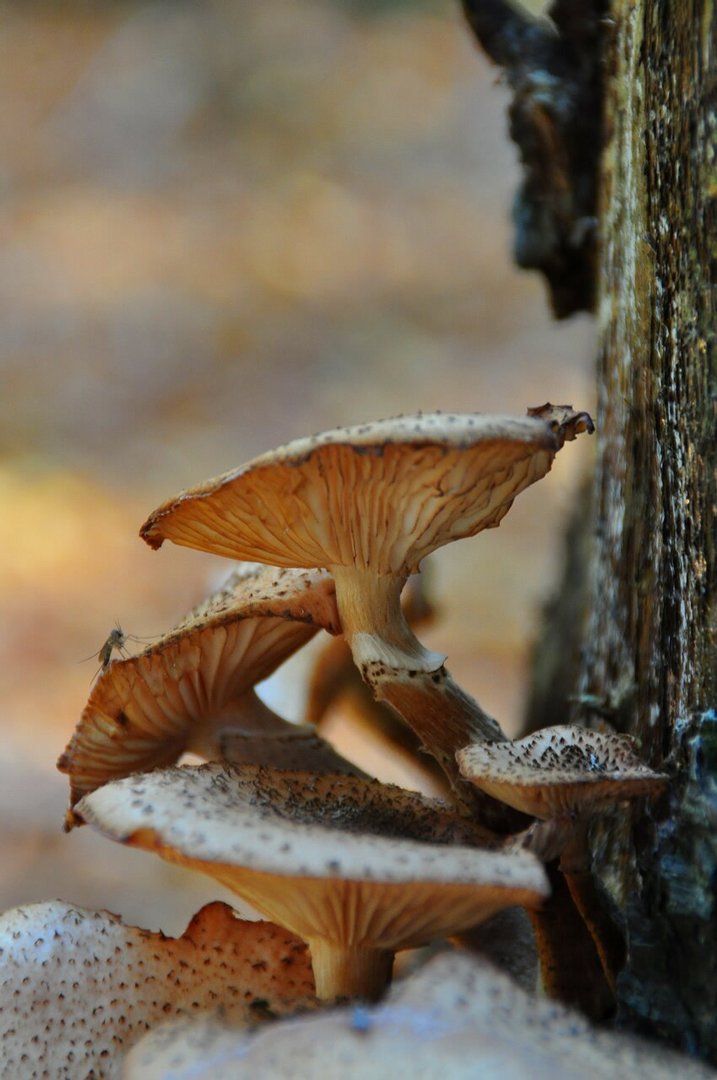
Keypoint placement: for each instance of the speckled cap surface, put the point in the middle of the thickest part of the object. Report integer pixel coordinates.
(78, 988)
(456, 1018)
(561, 770)
(332, 856)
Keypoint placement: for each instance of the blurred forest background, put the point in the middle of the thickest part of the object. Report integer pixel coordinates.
(225, 225)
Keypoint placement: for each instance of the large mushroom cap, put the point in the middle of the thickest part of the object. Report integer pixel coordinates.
(347, 864)
(558, 771)
(454, 1018)
(78, 988)
(145, 711)
(381, 495)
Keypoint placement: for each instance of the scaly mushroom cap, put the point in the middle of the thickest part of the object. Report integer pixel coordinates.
(350, 865)
(561, 771)
(78, 988)
(381, 496)
(145, 711)
(454, 1018)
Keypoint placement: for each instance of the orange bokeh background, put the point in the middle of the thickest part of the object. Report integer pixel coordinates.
(225, 226)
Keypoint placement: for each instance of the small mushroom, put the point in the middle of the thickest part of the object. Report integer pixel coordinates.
(78, 988)
(356, 868)
(565, 776)
(562, 773)
(369, 503)
(193, 690)
(454, 1018)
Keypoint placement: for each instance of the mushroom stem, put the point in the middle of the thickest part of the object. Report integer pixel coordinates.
(245, 715)
(400, 671)
(604, 929)
(569, 838)
(374, 624)
(349, 971)
(570, 969)
(592, 903)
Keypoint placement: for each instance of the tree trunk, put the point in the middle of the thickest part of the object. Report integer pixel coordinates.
(646, 579)
(649, 657)
(648, 582)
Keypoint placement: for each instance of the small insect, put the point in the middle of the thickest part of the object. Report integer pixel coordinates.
(116, 640)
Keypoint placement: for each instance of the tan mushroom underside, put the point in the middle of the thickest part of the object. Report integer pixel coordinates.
(329, 857)
(181, 692)
(381, 496)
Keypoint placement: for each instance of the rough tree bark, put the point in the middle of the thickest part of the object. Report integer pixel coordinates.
(648, 662)
(649, 653)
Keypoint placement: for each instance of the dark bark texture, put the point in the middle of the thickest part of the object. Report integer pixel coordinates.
(640, 588)
(648, 662)
(554, 71)
(650, 647)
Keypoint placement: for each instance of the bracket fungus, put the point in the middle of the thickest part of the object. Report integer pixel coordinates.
(369, 503)
(454, 1018)
(356, 868)
(565, 776)
(193, 689)
(78, 988)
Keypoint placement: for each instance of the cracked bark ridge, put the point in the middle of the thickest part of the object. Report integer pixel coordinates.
(554, 70)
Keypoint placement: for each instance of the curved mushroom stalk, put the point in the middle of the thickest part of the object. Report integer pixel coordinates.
(565, 776)
(571, 968)
(404, 674)
(335, 679)
(183, 692)
(356, 868)
(370, 503)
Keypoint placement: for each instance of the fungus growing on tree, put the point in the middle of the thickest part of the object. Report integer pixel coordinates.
(78, 988)
(193, 689)
(356, 868)
(369, 503)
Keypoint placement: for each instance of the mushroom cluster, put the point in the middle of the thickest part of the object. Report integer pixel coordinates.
(329, 530)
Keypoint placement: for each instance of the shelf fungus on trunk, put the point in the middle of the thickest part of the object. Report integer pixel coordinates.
(193, 689)
(79, 988)
(369, 503)
(565, 776)
(356, 868)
